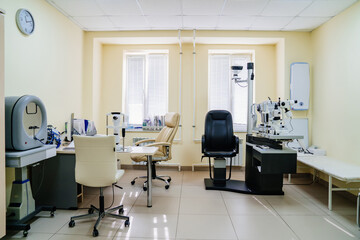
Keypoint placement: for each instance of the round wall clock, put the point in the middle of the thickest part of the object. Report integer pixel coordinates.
(25, 21)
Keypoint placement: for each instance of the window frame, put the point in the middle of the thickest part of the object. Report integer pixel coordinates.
(238, 127)
(145, 91)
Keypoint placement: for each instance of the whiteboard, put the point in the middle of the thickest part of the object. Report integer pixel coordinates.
(300, 127)
(300, 85)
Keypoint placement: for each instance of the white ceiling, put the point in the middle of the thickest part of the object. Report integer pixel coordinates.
(271, 15)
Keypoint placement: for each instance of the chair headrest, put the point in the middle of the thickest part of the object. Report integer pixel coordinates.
(219, 114)
(172, 119)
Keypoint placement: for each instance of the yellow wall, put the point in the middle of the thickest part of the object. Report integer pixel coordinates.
(336, 85)
(2, 131)
(47, 64)
(272, 69)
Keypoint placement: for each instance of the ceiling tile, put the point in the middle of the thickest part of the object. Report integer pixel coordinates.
(79, 7)
(246, 8)
(283, 8)
(305, 23)
(165, 22)
(200, 22)
(235, 22)
(202, 7)
(129, 21)
(326, 8)
(94, 22)
(270, 22)
(161, 7)
(119, 7)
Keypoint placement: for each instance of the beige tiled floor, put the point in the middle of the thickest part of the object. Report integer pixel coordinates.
(188, 211)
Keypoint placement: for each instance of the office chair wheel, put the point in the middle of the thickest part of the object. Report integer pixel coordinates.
(167, 186)
(25, 233)
(52, 214)
(127, 223)
(145, 189)
(90, 210)
(95, 232)
(72, 223)
(132, 182)
(169, 180)
(121, 211)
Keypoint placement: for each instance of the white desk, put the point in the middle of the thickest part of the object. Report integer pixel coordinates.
(148, 152)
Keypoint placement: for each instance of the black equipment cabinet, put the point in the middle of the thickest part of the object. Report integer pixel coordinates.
(54, 182)
(265, 168)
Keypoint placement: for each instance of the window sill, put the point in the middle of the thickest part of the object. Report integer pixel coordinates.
(133, 130)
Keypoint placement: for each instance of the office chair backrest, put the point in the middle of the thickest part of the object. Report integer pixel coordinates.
(167, 134)
(95, 164)
(219, 134)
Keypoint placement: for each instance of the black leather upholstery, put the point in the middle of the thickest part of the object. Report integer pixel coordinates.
(219, 139)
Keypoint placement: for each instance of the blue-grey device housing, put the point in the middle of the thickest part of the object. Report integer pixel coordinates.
(16, 137)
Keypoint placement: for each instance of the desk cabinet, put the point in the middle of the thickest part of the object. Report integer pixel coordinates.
(265, 168)
(53, 182)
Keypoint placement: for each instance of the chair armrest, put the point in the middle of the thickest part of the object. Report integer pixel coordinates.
(203, 143)
(144, 141)
(236, 144)
(165, 144)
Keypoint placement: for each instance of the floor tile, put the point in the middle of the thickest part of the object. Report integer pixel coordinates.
(154, 226)
(262, 227)
(187, 211)
(173, 191)
(318, 228)
(107, 227)
(205, 227)
(249, 205)
(312, 190)
(164, 205)
(31, 235)
(195, 178)
(340, 205)
(348, 221)
(287, 205)
(43, 223)
(77, 237)
(199, 192)
(202, 206)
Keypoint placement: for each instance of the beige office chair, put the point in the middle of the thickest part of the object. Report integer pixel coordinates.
(96, 166)
(163, 141)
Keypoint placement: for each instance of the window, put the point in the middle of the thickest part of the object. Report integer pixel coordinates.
(224, 93)
(145, 89)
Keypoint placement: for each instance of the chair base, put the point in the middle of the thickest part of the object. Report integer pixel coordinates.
(161, 178)
(100, 213)
(154, 176)
(237, 186)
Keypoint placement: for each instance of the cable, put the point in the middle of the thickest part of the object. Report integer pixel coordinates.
(39, 140)
(243, 86)
(112, 199)
(292, 128)
(42, 178)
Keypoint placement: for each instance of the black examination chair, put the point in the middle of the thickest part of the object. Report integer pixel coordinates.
(219, 142)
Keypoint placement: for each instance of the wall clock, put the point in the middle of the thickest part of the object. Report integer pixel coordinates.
(25, 21)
